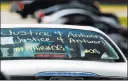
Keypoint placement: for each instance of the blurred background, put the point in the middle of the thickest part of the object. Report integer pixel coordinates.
(118, 7)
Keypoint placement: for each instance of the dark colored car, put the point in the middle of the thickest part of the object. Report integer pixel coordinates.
(29, 7)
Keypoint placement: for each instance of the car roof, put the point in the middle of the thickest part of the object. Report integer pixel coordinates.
(50, 26)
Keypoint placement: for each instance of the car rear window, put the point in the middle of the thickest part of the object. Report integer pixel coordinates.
(57, 43)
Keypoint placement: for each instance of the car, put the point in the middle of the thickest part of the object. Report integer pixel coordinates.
(71, 13)
(59, 52)
(71, 5)
(26, 8)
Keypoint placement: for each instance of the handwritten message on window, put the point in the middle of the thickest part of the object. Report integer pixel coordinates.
(46, 36)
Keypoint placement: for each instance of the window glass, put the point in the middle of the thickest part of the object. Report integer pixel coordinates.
(57, 43)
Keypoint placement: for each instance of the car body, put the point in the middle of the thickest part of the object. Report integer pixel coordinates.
(60, 52)
(63, 15)
(70, 5)
(25, 8)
